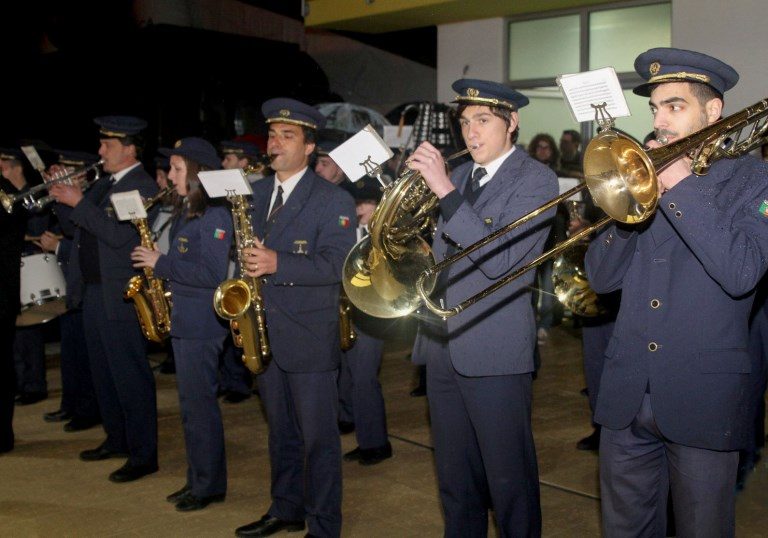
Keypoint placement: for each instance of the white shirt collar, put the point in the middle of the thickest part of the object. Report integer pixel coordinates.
(492, 167)
(117, 176)
(288, 185)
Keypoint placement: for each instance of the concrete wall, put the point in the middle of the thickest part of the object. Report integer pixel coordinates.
(368, 76)
(732, 31)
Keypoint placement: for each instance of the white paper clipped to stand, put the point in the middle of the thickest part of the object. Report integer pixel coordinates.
(128, 205)
(361, 153)
(582, 90)
(33, 157)
(219, 183)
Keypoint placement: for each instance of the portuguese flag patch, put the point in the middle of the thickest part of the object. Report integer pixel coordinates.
(218, 233)
(343, 221)
(764, 208)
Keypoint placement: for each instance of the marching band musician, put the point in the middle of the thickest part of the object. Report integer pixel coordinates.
(306, 230)
(101, 266)
(677, 373)
(195, 265)
(12, 227)
(241, 154)
(78, 398)
(480, 364)
(361, 403)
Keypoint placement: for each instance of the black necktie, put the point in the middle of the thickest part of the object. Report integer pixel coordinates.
(102, 188)
(473, 192)
(275, 209)
(477, 175)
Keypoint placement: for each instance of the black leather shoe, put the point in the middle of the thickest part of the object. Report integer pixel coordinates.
(268, 526)
(57, 416)
(235, 397)
(28, 398)
(101, 452)
(190, 503)
(176, 496)
(419, 391)
(129, 473)
(372, 456)
(78, 424)
(353, 455)
(590, 442)
(346, 427)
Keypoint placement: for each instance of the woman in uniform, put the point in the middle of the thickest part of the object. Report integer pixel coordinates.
(195, 265)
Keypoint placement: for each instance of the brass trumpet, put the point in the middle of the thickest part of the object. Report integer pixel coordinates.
(29, 197)
(622, 178)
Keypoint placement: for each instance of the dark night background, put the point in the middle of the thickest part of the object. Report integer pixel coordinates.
(183, 81)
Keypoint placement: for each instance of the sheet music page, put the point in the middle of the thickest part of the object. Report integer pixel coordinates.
(220, 183)
(396, 137)
(128, 205)
(581, 90)
(363, 151)
(33, 157)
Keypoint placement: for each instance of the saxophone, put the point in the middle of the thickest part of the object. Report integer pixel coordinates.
(239, 300)
(346, 330)
(151, 300)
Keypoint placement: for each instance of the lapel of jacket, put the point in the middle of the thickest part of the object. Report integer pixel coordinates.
(293, 205)
(507, 172)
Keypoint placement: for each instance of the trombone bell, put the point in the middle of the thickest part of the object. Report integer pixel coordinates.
(621, 177)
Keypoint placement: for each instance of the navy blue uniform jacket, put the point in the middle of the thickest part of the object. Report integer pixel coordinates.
(312, 235)
(116, 241)
(687, 280)
(196, 264)
(496, 335)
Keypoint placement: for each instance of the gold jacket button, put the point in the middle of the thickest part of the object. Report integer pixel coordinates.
(655, 303)
(653, 346)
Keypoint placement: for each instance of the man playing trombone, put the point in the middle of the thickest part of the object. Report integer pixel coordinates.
(479, 364)
(677, 372)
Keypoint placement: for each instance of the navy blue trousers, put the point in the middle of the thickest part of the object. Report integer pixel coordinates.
(484, 451)
(197, 380)
(304, 447)
(78, 396)
(29, 352)
(360, 397)
(125, 386)
(7, 381)
(638, 465)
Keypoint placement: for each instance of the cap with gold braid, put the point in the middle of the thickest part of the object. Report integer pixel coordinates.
(484, 92)
(285, 110)
(664, 64)
(119, 126)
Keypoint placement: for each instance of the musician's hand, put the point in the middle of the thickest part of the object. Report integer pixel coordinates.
(54, 171)
(69, 195)
(144, 257)
(430, 163)
(48, 242)
(576, 225)
(259, 260)
(672, 174)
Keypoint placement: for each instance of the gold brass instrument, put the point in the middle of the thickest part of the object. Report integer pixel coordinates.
(29, 198)
(622, 178)
(569, 276)
(239, 300)
(347, 333)
(380, 271)
(151, 300)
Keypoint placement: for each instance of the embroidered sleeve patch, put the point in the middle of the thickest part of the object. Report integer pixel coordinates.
(218, 233)
(764, 208)
(344, 221)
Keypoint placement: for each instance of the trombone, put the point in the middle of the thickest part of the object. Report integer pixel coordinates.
(28, 199)
(622, 178)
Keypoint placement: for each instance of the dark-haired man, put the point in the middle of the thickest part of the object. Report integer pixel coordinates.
(570, 156)
(676, 375)
(479, 363)
(125, 387)
(304, 228)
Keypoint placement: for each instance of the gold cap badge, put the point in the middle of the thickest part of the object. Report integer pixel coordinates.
(472, 92)
(654, 68)
(284, 112)
(177, 144)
